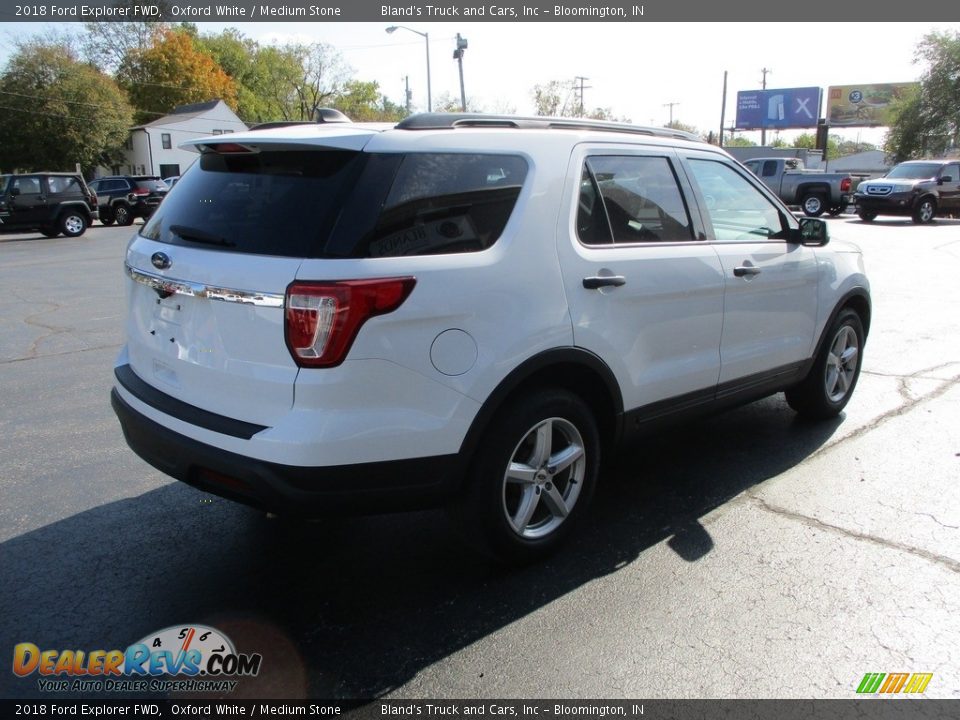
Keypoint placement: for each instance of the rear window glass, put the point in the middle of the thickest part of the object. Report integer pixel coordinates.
(152, 184)
(267, 203)
(336, 203)
(429, 204)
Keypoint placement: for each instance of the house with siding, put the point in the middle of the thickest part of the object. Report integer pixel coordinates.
(153, 148)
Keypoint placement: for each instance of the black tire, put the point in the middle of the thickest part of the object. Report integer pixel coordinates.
(827, 388)
(867, 215)
(49, 232)
(925, 211)
(492, 509)
(813, 204)
(123, 215)
(105, 219)
(73, 223)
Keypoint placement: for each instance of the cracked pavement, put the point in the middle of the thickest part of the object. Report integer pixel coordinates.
(746, 555)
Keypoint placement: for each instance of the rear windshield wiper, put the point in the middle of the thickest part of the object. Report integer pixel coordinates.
(196, 235)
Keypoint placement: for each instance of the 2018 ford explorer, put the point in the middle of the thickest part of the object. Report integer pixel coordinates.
(466, 309)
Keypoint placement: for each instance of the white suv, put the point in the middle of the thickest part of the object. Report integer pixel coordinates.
(466, 309)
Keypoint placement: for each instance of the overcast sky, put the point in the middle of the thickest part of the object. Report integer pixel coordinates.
(633, 68)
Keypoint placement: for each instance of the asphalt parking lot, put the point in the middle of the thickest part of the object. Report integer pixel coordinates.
(748, 555)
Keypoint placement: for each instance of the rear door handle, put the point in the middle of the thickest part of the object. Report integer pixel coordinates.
(746, 270)
(600, 281)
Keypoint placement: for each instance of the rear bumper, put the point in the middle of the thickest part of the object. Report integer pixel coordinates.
(292, 490)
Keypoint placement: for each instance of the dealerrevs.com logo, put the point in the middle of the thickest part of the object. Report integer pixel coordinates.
(201, 658)
(894, 683)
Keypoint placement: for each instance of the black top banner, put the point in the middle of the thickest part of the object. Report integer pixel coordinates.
(241, 11)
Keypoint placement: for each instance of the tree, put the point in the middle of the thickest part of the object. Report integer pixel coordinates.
(929, 123)
(362, 101)
(323, 76)
(107, 44)
(558, 98)
(59, 112)
(172, 72)
(264, 76)
(738, 141)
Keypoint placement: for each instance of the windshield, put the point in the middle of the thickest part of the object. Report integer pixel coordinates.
(914, 171)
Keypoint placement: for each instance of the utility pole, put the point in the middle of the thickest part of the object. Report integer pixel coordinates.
(763, 130)
(670, 105)
(582, 88)
(407, 94)
(458, 56)
(723, 107)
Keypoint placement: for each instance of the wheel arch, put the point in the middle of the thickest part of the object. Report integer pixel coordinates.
(573, 369)
(858, 300)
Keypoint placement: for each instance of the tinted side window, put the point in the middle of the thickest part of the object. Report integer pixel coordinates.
(769, 168)
(27, 185)
(445, 203)
(737, 209)
(640, 197)
(60, 184)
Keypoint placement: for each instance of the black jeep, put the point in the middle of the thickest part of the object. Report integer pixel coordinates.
(50, 202)
(125, 197)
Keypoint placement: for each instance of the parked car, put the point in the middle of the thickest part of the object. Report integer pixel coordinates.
(51, 202)
(469, 310)
(920, 189)
(126, 197)
(171, 181)
(814, 191)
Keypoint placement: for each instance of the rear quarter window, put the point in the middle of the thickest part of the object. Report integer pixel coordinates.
(429, 204)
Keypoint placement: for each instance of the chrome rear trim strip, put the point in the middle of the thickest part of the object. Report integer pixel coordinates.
(170, 286)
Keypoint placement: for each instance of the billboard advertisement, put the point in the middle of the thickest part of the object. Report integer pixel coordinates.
(778, 109)
(865, 105)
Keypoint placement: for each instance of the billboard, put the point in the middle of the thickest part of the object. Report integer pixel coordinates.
(865, 105)
(779, 109)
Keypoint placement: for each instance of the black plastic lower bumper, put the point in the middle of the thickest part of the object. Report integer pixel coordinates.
(288, 489)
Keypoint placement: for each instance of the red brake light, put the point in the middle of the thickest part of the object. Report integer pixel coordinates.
(322, 319)
(228, 148)
(141, 191)
(845, 185)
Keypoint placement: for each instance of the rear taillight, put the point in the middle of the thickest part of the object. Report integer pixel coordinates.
(322, 319)
(845, 185)
(141, 192)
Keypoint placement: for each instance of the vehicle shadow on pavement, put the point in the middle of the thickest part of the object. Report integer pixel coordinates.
(354, 608)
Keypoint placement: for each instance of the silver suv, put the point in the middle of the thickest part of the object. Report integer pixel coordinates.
(466, 309)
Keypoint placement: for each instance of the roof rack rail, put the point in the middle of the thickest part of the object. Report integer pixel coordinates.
(451, 121)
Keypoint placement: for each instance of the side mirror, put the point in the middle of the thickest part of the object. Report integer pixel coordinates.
(814, 232)
(944, 179)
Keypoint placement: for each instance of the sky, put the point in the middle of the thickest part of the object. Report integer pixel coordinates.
(635, 69)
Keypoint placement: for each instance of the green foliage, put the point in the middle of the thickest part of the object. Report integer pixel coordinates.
(738, 141)
(59, 112)
(362, 102)
(928, 124)
(264, 76)
(172, 72)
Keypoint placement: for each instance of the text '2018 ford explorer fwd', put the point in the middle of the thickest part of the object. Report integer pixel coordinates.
(466, 309)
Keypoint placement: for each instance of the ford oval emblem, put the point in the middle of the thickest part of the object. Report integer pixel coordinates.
(161, 261)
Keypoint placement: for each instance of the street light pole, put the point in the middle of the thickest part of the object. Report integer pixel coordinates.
(426, 37)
